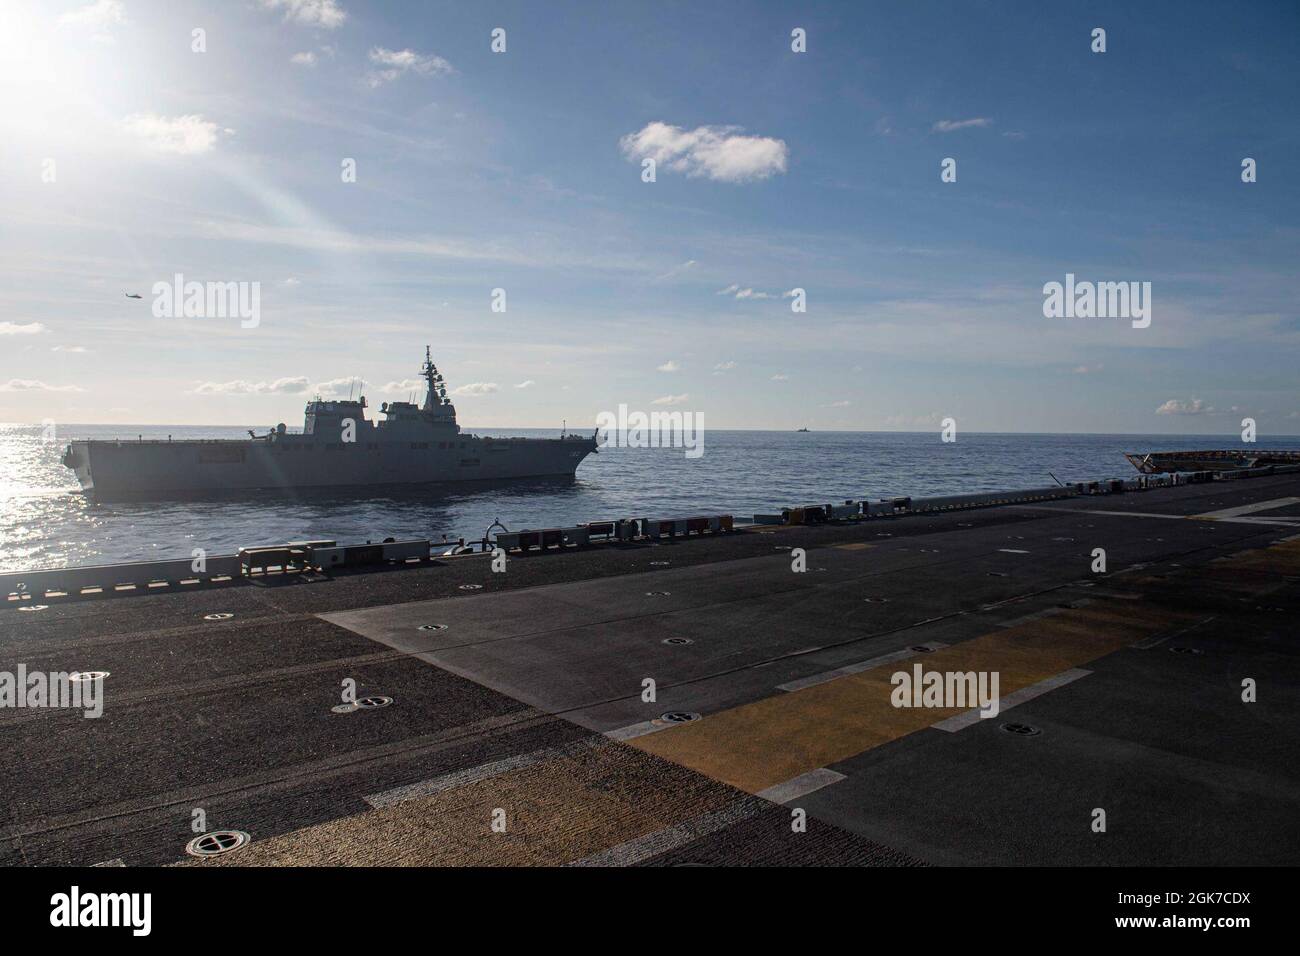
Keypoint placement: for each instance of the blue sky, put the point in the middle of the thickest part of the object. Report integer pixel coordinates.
(521, 170)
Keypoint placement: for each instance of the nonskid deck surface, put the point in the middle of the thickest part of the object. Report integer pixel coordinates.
(527, 706)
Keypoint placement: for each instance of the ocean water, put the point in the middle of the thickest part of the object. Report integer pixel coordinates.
(46, 523)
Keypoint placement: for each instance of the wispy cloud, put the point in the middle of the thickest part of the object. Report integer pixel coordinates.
(949, 126)
(720, 153)
(670, 399)
(670, 366)
(306, 58)
(527, 383)
(723, 367)
(393, 63)
(780, 377)
(30, 385)
(555, 253)
(678, 270)
(749, 293)
(315, 13)
(476, 388)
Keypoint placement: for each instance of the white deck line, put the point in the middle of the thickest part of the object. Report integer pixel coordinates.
(971, 717)
(1249, 509)
(470, 775)
(801, 785)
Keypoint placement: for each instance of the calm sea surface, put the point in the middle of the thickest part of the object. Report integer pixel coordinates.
(46, 523)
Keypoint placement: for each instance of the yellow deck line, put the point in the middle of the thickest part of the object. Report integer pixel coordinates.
(758, 745)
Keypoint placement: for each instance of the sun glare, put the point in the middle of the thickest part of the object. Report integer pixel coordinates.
(46, 65)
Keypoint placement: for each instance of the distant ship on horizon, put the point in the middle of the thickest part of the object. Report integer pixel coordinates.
(338, 448)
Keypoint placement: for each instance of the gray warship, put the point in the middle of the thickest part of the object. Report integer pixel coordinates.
(338, 448)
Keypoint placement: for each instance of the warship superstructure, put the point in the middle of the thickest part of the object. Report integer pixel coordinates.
(338, 448)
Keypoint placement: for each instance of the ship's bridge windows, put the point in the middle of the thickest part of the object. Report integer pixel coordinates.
(419, 445)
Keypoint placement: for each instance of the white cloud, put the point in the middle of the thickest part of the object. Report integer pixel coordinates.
(184, 135)
(948, 126)
(27, 328)
(316, 13)
(724, 367)
(349, 386)
(670, 366)
(476, 388)
(306, 58)
(291, 282)
(404, 387)
(29, 385)
(528, 383)
(397, 62)
(720, 153)
(728, 290)
(97, 18)
(79, 349)
(839, 404)
(1178, 407)
(670, 400)
(1087, 369)
(779, 377)
(281, 386)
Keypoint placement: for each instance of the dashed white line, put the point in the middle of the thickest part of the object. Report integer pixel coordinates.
(824, 676)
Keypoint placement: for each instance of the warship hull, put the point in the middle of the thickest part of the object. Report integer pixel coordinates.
(339, 447)
(127, 470)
